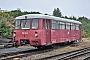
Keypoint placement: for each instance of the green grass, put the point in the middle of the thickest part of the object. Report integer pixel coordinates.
(86, 38)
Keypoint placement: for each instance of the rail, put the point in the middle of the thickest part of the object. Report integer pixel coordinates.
(87, 58)
(68, 55)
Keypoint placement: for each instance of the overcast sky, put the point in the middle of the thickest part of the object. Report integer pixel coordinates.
(67, 7)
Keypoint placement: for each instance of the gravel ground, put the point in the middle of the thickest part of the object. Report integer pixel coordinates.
(85, 43)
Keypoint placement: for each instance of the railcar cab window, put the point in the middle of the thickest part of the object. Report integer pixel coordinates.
(35, 23)
(55, 24)
(17, 24)
(25, 24)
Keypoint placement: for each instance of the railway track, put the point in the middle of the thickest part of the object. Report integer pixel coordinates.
(87, 58)
(68, 55)
(8, 56)
(23, 54)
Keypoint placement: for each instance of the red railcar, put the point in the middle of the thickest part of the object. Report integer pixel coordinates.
(42, 30)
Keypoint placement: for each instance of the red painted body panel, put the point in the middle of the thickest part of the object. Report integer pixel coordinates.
(58, 36)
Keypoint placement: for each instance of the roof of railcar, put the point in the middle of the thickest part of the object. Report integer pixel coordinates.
(47, 17)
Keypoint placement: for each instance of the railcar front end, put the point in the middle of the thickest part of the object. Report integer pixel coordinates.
(27, 31)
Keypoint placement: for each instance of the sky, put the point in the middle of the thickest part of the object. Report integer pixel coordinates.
(68, 7)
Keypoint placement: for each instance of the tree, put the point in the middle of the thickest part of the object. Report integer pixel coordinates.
(57, 12)
(66, 17)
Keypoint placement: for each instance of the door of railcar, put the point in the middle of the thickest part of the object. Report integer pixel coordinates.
(68, 32)
(72, 31)
(48, 31)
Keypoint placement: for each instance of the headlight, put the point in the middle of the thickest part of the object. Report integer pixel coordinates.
(36, 35)
(14, 35)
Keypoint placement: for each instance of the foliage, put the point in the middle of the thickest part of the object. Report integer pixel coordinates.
(57, 12)
(6, 24)
(5, 30)
(85, 26)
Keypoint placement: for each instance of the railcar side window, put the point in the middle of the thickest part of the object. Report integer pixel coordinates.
(62, 25)
(72, 26)
(67, 26)
(25, 24)
(17, 24)
(77, 27)
(55, 24)
(34, 23)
